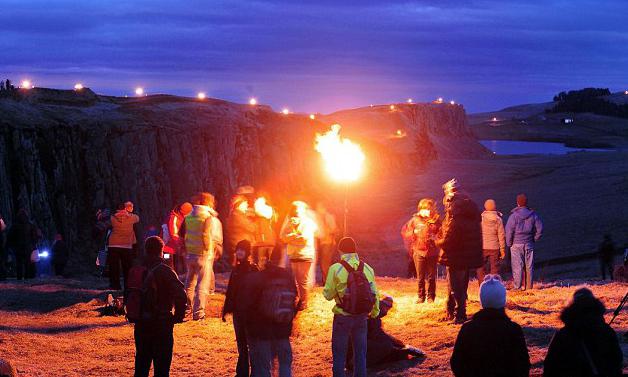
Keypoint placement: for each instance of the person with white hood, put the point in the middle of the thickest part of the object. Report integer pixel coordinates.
(493, 240)
(203, 235)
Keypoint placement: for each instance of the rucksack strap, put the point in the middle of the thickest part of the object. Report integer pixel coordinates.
(361, 266)
(347, 266)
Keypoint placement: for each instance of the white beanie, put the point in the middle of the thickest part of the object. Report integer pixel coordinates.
(492, 292)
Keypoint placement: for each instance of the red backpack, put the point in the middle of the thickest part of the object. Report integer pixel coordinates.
(141, 293)
(358, 297)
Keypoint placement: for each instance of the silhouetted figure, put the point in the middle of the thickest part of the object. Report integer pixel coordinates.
(60, 255)
(326, 238)
(22, 238)
(606, 253)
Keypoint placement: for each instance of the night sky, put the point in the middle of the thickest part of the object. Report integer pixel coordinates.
(324, 55)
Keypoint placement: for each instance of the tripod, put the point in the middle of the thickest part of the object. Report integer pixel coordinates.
(619, 308)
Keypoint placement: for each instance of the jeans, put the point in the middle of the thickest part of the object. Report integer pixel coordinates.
(262, 353)
(326, 257)
(153, 343)
(301, 271)
(117, 256)
(242, 368)
(457, 282)
(200, 270)
(522, 260)
(492, 258)
(426, 269)
(345, 328)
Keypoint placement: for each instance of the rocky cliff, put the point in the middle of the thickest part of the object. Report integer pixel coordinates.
(64, 154)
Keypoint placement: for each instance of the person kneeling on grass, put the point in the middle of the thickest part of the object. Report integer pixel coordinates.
(490, 344)
(352, 284)
(381, 347)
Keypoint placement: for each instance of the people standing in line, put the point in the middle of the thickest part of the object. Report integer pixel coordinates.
(240, 224)
(420, 233)
(586, 345)
(174, 239)
(235, 303)
(490, 344)
(23, 238)
(153, 333)
(606, 255)
(202, 230)
(298, 233)
(60, 255)
(351, 283)
(265, 237)
(523, 229)
(121, 241)
(493, 240)
(326, 239)
(461, 244)
(271, 307)
(3, 252)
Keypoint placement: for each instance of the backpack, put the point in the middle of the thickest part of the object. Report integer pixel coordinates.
(278, 300)
(358, 297)
(141, 293)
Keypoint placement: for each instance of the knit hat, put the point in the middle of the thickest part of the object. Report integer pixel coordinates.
(385, 304)
(490, 205)
(522, 200)
(492, 292)
(347, 245)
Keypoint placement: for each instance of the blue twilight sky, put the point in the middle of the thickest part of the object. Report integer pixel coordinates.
(320, 55)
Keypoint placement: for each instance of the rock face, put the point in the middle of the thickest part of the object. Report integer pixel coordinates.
(65, 154)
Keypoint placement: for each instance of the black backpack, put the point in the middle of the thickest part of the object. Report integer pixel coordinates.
(278, 300)
(141, 294)
(358, 297)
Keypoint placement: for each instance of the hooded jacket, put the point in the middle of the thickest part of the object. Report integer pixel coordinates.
(524, 226)
(419, 235)
(493, 231)
(300, 238)
(122, 232)
(585, 332)
(461, 234)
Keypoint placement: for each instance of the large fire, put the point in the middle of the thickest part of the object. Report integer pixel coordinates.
(343, 158)
(262, 209)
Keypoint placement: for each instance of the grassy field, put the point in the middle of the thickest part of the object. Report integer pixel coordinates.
(55, 328)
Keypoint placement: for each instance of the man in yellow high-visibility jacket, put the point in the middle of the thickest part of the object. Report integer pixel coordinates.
(349, 326)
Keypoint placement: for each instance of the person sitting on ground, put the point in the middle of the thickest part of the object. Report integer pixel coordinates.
(60, 254)
(234, 305)
(490, 344)
(493, 240)
(382, 347)
(154, 332)
(586, 346)
(352, 308)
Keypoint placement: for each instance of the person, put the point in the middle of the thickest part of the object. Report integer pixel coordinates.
(234, 303)
(347, 326)
(490, 344)
(383, 348)
(240, 224)
(60, 254)
(298, 233)
(606, 254)
(175, 244)
(493, 240)
(121, 241)
(461, 244)
(202, 231)
(153, 333)
(271, 307)
(3, 253)
(523, 229)
(586, 345)
(265, 238)
(327, 233)
(22, 238)
(420, 233)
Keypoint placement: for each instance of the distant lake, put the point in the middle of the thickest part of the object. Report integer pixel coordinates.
(504, 147)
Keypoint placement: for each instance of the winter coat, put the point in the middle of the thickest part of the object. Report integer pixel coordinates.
(524, 226)
(585, 332)
(420, 234)
(170, 293)
(240, 226)
(490, 345)
(493, 231)
(234, 296)
(203, 231)
(265, 232)
(461, 234)
(122, 231)
(300, 238)
(60, 253)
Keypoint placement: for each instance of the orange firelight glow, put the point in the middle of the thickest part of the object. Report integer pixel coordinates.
(312, 116)
(440, 100)
(343, 158)
(392, 107)
(409, 100)
(253, 101)
(262, 209)
(26, 84)
(201, 95)
(285, 111)
(78, 86)
(452, 102)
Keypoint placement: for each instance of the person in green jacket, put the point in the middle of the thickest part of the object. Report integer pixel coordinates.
(348, 326)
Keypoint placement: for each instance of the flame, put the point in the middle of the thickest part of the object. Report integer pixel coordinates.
(343, 159)
(452, 102)
(201, 95)
(26, 84)
(262, 209)
(285, 111)
(139, 91)
(78, 86)
(312, 116)
(392, 107)
(253, 101)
